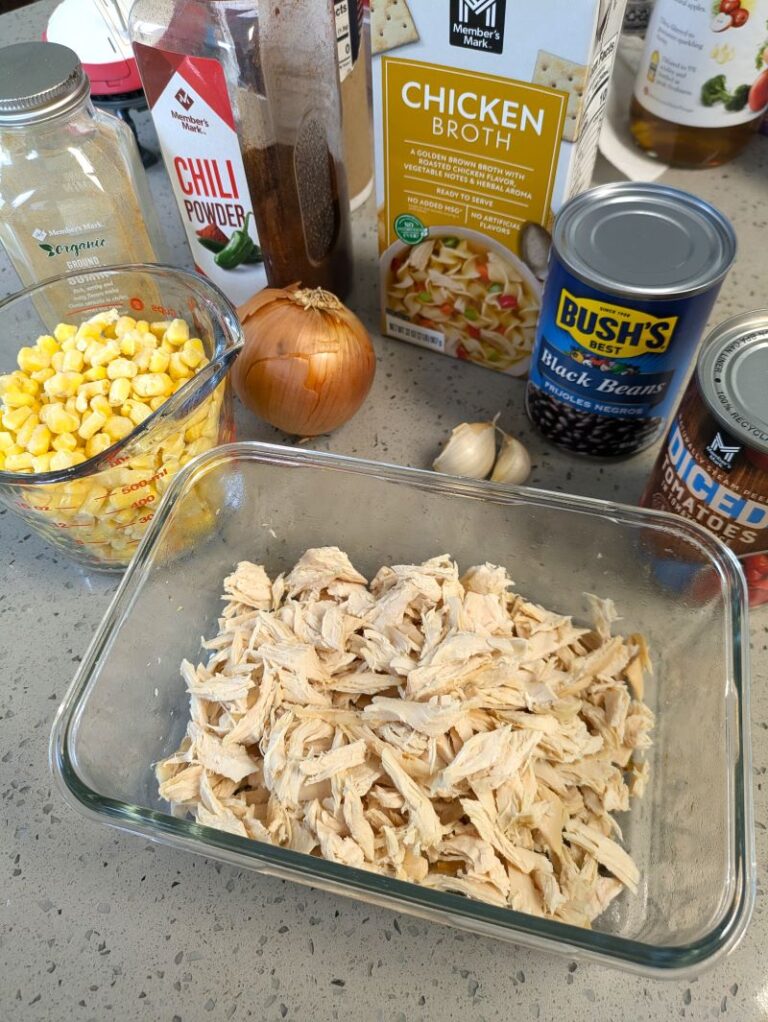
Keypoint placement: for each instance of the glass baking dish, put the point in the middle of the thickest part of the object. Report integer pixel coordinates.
(691, 834)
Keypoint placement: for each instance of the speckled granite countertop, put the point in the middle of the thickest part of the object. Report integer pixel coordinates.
(97, 925)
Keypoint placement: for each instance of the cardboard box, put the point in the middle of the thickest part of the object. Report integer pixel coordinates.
(486, 119)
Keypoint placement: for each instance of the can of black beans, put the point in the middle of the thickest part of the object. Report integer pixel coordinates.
(634, 272)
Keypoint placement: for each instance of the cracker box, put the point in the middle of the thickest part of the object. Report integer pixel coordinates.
(486, 117)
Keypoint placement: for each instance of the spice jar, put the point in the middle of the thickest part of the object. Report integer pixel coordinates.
(245, 99)
(73, 193)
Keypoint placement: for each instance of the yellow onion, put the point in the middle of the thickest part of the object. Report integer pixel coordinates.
(307, 363)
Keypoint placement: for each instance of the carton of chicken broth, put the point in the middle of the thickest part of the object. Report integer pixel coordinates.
(486, 117)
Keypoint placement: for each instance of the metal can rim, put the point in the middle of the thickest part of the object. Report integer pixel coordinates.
(645, 292)
(718, 338)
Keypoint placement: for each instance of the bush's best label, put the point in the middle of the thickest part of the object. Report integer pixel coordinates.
(614, 330)
(618, 358)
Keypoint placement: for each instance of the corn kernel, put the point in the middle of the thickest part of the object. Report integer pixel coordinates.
(156, 402)
(191, 356)
(137, 411)
(119, 392)
(25, 432)
(143, 463)
(101, 403)
(70, 344)
(120, 499)
(159, 328)
(6, 383)
(97, 444)
(63, 384)
(13, 418)
(58, 419)
(158, 362)
(70, 405)
(152, 385)
(40, 440)
(61, 460)
(6, 440)
(128, 345)
(17, 399)
(42, 462)
(41, 375)
(106, 353)
(57, 361)
(73, 361)
(123, 325)
(18, 462)
(117, 427)
(30, 360)
(47, 344)
(142, 326)
(177, 332)
(95, 373)
(78, 457)
(91, 424)
(64, 442)
(61, 332)
(195, 431)
(121, 368)
(177, 368)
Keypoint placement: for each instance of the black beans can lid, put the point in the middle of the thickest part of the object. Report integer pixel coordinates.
(732, 375)
(644, 240)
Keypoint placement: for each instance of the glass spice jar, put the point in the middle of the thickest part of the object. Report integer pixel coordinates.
(73, 193)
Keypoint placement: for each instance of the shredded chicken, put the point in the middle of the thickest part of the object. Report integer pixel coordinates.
(433, 727)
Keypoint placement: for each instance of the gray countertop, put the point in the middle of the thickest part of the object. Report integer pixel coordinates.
(98, 925)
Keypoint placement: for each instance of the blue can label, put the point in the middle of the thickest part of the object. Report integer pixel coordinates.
(600, 357)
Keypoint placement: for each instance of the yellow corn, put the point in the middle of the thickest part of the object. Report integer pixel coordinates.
(127, 345)
(152, 385)
(59, 420)
(63, 384)
(191, 355)
(137, 411)
(71, 406)
(100, 403)
(95, 373)
(121, 368)
(18, 462)
(48, 344)
(14, 417)
(57, 361)
(97, 444)
(61, 460)
(158, 362)
(91, 424)
(106, 353)
(17, 399)
(124, 324)
(40, 440)
(73, 360)
(30, 360)
(62, 332)
(156, 402)
(6, 440)
(42, 462)
(177, 368)
(159, 328)
(25, 432)
(142, 326)
(117, 427)
(41, 375)
(64, 442)
(177, 332)
(119, 392)
(70, 344)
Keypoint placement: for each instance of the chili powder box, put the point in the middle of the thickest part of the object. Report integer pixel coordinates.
(486, 119)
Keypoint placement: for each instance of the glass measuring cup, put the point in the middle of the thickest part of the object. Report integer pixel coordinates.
(98, 511)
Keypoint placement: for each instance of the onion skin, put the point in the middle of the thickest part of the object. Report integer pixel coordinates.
(307, 363)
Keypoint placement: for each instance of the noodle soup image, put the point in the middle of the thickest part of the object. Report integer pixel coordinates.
(465, 295)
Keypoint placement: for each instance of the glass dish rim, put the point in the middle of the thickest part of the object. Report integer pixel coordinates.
(672, 961)
(218, 365)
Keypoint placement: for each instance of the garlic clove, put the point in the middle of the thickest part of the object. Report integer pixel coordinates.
(513, 464)
(470, 451)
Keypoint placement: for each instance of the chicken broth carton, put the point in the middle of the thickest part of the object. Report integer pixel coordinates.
(486, 118)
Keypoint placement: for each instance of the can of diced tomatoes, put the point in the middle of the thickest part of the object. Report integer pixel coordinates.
(634, 272)
(713, 465)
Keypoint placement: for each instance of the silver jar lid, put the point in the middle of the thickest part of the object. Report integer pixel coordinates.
(644, 240)
(39, 81)
(733, 377)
